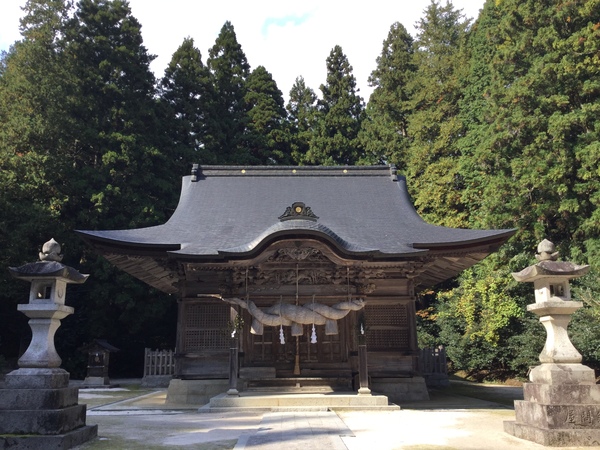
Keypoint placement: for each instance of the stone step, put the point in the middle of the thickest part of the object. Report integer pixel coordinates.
(291, 390)
(253, 410)
(269, 401)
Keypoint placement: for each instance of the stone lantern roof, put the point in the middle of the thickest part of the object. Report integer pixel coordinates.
(549, 267)
(49, 266)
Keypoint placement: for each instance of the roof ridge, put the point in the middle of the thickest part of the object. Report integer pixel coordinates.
(201, 171)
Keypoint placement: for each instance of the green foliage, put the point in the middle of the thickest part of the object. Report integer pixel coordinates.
(533, 131)
(483, 325)
(302, 118)
(229, 70)
(341, 112)
(434, 125)
(483, 305)
(584, 329)
(268, 133)
(79, 146)
(384, 133)
(187, 94)
(512, 145)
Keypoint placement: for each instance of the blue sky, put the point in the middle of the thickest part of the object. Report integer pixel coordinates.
(290, 39)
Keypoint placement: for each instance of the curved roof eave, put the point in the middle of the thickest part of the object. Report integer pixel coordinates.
(106, 237)
(489, 237)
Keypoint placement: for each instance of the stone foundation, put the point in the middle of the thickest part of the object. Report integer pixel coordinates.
(195, 392)
(156, 381)
(558, 415)
(401, 390)
(39, 411)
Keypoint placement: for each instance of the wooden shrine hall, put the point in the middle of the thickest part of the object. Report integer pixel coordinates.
(313, 259)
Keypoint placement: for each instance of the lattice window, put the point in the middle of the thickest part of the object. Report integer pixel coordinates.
(387, 327)
(387, 339)
(205, 327)
(386, 315)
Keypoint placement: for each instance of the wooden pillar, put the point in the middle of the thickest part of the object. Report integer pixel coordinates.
(233, 368)
(179, 338)
(413, 342)
(363, 371)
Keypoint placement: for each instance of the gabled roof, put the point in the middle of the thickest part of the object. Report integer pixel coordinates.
(229, 212)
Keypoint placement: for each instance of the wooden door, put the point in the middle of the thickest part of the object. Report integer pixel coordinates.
(267, 349)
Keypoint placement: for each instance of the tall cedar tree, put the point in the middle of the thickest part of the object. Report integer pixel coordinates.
(384, 132)
(187, 94)
(302, 117)
(341, 112)
(121, 177)
(536, 149)
(476, 165)
(268, 134)
(230, 69)
(82, 86)
(434, 123)
(127, 178)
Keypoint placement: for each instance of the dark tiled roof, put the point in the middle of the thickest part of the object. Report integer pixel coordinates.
(230, 211)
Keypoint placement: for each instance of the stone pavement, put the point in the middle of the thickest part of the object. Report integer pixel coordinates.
(297, 431)
(465, 416)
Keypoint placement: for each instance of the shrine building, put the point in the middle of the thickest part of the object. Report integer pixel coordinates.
(337, 250)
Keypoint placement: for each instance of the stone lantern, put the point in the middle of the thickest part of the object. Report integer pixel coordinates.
(46, 308)
(561, 405)
(38, 409)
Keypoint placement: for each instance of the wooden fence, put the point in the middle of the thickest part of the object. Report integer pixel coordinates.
(433, 366)
(159, 362)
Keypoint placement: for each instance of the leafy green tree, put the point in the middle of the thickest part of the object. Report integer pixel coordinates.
(341, 112)
(229, 69)
(187, 93)
(268, 138)
(302, 118)
(483, 321)
(384, 133)
(585, 325)
(434, 125)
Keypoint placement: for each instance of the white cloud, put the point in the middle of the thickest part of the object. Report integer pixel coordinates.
(288, 38)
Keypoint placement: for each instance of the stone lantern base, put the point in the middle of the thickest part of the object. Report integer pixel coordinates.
(561, 407)
(38, 410)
